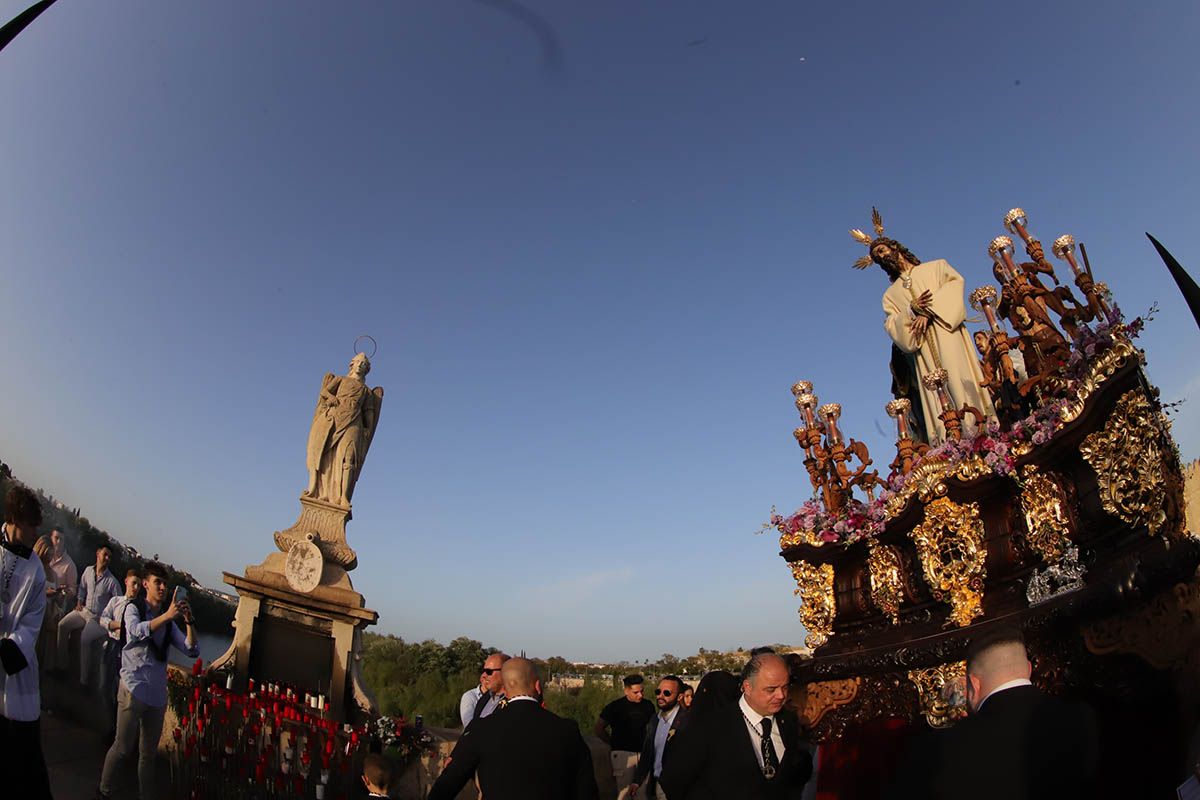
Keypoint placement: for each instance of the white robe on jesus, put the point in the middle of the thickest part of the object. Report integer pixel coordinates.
(945, 342)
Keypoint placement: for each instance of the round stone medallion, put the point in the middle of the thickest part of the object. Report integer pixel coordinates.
(304, 567)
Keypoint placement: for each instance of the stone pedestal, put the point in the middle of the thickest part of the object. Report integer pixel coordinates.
(324, 524)
(308, 639)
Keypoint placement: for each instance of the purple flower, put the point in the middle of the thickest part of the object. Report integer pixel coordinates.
(1039, 437)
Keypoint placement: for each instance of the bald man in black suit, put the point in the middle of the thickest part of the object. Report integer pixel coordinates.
(1018, 743)
(521, 752)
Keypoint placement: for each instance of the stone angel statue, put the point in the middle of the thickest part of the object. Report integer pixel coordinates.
(343, 426)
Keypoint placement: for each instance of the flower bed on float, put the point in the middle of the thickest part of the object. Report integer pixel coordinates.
(993, 450)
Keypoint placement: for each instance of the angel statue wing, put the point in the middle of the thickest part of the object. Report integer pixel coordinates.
(371, 405)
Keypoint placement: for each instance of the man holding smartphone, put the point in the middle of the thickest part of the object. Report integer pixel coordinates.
(150, 631)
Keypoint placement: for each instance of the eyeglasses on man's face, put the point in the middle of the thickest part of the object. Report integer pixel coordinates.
(663, 692)
(490, 670)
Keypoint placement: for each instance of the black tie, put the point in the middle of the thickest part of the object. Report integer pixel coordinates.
(484, 699)
(770, 758)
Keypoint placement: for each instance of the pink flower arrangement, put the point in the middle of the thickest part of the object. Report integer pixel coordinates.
(861, 520)
(858, 520)
(995, 446)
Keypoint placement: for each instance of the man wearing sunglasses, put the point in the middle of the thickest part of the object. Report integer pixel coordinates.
(484, 698)
(656, 748)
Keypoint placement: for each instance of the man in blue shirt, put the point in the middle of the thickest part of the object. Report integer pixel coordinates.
(96, 588)
(112, 619)
(142, 698)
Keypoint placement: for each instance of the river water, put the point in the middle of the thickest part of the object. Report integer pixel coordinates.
(211, 646)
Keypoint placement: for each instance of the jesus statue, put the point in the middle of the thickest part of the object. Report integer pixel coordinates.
(925, 313)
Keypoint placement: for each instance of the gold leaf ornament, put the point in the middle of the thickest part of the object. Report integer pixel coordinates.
(814, 584)
(952, 553)
(1128, 457)
(1044, 505)
(942, 691)
(886, 577)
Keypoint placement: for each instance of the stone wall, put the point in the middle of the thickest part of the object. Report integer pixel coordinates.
(416, 781)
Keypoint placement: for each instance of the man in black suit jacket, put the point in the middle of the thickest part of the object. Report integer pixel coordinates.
(1017, 743)
(732, 753)
(522, 752)
(665, 725)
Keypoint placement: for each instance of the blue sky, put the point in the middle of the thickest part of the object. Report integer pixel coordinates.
(595, 254)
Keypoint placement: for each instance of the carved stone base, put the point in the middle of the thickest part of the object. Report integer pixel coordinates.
(326, 523)
(309, 640)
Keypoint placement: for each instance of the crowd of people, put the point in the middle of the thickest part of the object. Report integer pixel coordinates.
(740, 736)
(731, 736)
(125, 634)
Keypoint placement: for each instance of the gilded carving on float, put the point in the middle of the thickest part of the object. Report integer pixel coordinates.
(802, 536)
(1127, 455)
(1044, 504)
(928, 479)
(1163, 632)
(1100, 370)
(886, 576)
(942, 691)
(814, 584)
(824, 696)
(951, 550)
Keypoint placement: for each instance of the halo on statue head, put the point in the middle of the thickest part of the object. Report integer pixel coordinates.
(374, 346)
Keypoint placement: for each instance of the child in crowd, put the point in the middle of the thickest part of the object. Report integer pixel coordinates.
(377, 775)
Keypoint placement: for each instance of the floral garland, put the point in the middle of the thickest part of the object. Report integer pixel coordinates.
(998, 449)
(1090, 342)
(859, 520)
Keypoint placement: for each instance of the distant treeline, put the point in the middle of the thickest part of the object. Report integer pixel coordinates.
(429, 678)
(82, 539)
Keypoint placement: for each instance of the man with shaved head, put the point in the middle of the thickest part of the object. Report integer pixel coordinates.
(521, 752)
(750, 749)
(1017, 741)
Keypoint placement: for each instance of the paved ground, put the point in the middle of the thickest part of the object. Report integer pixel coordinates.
(74, 748)
(74, 756)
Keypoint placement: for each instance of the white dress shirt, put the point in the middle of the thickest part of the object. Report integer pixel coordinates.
(466, 706)
(21, 622)
(754, 731)
(1009, 685)
(661, 734)
(115, 610)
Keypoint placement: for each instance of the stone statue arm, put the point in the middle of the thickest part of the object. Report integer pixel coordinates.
(948, 306)
(896, 325)
(329, 387)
